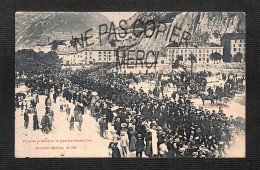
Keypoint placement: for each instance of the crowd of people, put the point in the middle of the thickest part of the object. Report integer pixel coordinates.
(159, 127)
(144, 123)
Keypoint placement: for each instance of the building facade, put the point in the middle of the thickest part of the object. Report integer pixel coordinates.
(70, 56)
(234, 43)
(202, 54)
(99, 55)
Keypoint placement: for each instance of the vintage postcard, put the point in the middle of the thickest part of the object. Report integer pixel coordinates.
(130, 84)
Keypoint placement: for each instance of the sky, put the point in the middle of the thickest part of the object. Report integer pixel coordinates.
(117, 16)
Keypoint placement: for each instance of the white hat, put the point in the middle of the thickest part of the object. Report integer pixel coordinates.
(123, 124)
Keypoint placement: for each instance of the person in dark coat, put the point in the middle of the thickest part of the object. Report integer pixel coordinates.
(148, 141)
(54, 97)
(22, 106)
(170, 147)
(71, 123)
(139, 146)
(174, 96)
(117, 125)
(35, 121)
(26, 120)
(115, 151)
(102, 124)
(37, 98)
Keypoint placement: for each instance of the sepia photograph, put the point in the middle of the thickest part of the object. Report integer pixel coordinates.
(130, 84)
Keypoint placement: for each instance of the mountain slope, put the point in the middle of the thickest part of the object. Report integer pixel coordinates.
(34, 26)
(203, 27)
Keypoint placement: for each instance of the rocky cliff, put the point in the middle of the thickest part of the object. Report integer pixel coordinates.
(202, 26)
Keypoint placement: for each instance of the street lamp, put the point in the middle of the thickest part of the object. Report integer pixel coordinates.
(172, 59)
(192, 57)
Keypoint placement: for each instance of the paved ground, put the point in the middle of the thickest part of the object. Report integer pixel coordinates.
(94, 145)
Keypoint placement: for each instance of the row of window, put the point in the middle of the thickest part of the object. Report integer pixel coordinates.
(105, 59)
(239, 45)
(185, 55)
(195, 51)
(200, 59)
(104, 52)
(79, 56)
(235, 49)
(90, 58)
(238, 41)
(109, 55)
(109, 52)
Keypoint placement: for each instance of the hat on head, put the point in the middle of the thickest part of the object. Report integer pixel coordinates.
(194, 153)
(123, 124)
(182, 149)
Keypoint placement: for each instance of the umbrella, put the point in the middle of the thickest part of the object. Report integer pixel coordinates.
(20, 94)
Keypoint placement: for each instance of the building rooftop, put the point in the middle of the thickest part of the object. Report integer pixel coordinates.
(100, 48)
(194, 44)
(234, 36)
(64, 49)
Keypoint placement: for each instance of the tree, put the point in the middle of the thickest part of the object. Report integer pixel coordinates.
(238, 56)
(112, 43)
(177, 61)
(72, 43)
(54, 45)
(192, 58)
(215, 56)
(226, 57)
(179, 58)
(30, 61)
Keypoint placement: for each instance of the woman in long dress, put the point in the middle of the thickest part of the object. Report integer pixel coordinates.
(132, 141)
(154, 142)
(148, 141)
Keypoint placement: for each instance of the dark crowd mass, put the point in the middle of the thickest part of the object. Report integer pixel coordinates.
(148, 124)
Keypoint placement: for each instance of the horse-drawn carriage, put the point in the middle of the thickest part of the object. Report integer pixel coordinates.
(221, 99)
(240, 89)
